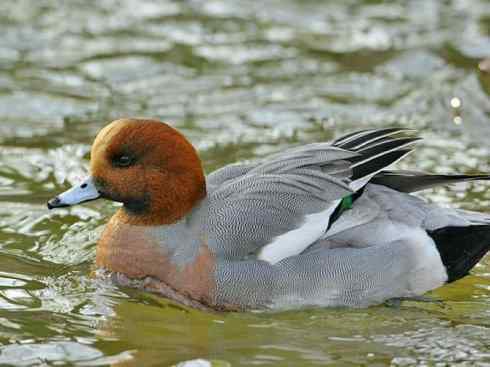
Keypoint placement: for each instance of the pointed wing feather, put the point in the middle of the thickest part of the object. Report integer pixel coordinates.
(369, 138)
(350, 141)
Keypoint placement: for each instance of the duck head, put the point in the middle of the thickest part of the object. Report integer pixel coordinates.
(145, 164)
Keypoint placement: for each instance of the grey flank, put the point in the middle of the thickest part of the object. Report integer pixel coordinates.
(381, 248)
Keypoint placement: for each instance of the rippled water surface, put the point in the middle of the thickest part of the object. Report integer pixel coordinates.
(241, 79)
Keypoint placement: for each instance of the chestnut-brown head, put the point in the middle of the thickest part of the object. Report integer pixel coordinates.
(149, 167)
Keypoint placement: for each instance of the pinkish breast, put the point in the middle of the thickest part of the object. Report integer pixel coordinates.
(131, 250)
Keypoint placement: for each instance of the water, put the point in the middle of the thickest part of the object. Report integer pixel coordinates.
(240, 80)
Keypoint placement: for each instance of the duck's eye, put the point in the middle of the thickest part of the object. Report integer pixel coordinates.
(122, 160)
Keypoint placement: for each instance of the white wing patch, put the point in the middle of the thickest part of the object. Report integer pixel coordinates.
(296, 241)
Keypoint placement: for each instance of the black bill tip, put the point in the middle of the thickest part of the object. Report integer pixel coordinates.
(56, 203)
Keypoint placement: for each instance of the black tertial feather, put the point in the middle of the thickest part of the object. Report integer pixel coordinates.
(348, 137)
(382, 148)
(377, 163)
(369, 138)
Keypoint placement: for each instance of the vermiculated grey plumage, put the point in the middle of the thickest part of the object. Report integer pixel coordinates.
(378, 249)
(250, 205)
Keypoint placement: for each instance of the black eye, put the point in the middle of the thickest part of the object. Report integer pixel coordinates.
(122, 160)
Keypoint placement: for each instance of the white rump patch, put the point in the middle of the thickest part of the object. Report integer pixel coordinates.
(296, 241)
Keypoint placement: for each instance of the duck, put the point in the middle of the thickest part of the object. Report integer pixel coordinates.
(325, 224)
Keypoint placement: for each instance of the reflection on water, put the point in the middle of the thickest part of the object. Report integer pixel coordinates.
(241, 82)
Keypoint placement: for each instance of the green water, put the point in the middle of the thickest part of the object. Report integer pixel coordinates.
(240, 79)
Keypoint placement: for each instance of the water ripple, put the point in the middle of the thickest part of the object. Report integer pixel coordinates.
(241, 82)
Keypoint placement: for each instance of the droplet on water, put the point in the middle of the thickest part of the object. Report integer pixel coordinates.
(455, 102)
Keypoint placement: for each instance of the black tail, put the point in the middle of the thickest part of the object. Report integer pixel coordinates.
(461, 248)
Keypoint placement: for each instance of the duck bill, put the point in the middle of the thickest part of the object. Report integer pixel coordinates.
(85, 191)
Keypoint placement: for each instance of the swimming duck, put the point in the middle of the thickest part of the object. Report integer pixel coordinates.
(324, 224)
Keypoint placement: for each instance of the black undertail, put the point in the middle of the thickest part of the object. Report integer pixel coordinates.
(461, 248)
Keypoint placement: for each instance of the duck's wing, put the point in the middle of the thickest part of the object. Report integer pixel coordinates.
(282, 205)
(412, 181)
(352, 142)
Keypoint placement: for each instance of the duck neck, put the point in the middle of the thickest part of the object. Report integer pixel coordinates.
(164, 208)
